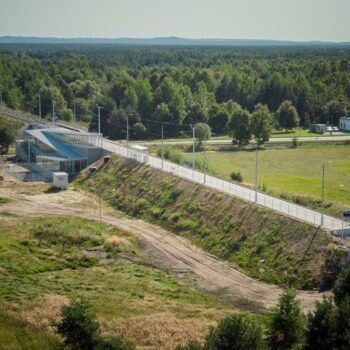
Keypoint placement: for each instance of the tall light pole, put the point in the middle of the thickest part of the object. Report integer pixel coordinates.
(75, 118)
(162, 145)
(193, 148)
(39, 103)
(99, 122)
(322, 216)
(205, 158)
(256, 174)
(99, 118)
(127, 130)
(53, 110)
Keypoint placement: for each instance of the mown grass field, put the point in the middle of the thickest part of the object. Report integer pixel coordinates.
(292, 171)
(46, 261)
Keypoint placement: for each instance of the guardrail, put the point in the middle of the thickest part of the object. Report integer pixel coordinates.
(281, 206)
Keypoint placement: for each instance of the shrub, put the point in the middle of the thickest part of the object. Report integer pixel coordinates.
(236, 332)
(236, 176)
(118, 244)
(192, 345)
(81, 331)
(79, 326)
(295, 142)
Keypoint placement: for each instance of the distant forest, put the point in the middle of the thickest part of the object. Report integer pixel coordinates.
(180, 86)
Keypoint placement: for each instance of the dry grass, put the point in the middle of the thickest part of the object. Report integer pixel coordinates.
(46, 310)
(116, 243)
(158, 331)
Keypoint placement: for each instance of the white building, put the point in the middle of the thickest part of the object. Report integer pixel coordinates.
(344, 123)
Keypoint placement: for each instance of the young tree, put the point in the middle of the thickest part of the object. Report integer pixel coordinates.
(286, 324)
(341, 288)
(7, 135)
(321, 326)
(287, 115)
(236, 332)
(79, 326)
(240, 126)
(261, 124)
(202, 132)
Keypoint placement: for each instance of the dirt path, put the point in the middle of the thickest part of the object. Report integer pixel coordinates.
(166, 249)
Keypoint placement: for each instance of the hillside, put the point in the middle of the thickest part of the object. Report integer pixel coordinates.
(261, 243)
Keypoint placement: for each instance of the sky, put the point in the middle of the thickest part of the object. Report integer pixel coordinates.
(299, 20)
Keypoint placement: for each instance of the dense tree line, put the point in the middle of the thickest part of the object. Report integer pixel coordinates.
(231, 89)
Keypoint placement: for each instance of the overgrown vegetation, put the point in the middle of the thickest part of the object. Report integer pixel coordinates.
(46, 261)
(264, 244)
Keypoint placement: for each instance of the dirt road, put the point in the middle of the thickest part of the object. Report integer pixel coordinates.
(166, 249)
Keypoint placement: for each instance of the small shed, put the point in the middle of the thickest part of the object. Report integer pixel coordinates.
(139, 148)
(344, 123)
(60, 180)
(139, 153)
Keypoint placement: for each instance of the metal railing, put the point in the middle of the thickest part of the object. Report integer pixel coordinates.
(276, 204)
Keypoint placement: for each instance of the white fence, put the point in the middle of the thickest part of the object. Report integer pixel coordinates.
(290, 209)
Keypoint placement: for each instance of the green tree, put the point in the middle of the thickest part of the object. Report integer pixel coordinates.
(236, 332)
(202, 132)
(240, 126)
(78, 326)
(286, 325)
(8, 132)
(321, 326)
(341, 289)
(261, 124)
(287, 115)
(81, 331)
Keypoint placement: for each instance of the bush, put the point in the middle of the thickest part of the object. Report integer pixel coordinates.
(81, 331)
(236, 176)
(79, 326)
(236, 332)
(295, 142)
(192, 345)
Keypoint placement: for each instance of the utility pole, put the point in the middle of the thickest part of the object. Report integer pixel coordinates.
(99, 122)
(193, 148)
(75, 119)
(162, 145)
(39, 102)
(322, 216)
(205, 158)
(53, 110)
(256, 174)
(127, 131)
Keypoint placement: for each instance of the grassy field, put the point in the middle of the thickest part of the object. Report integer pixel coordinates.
(46, 261)
(287, 171)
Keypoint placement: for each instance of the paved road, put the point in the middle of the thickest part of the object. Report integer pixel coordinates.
(272, 140)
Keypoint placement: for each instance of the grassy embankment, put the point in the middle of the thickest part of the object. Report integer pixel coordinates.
(46, 261)
(263, 244)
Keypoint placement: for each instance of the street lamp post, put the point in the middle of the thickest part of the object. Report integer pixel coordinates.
(53, 110)
(322, 216)
(205, 158)
(75, 119)
(162, 145)
(39, 103)
(256, 174)
(99, 122)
